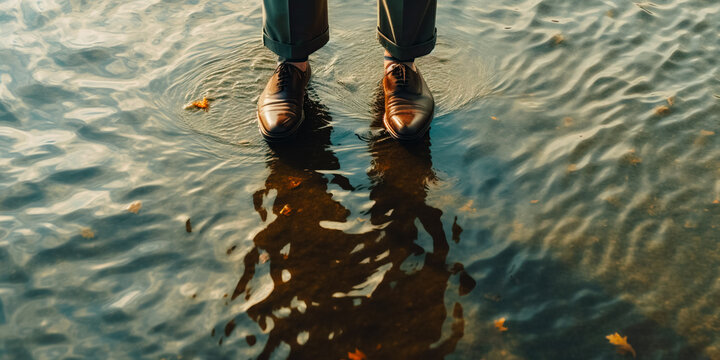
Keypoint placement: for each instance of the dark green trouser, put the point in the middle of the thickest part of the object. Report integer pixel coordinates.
(295, 29)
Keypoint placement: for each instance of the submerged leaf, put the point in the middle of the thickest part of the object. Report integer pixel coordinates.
(87, 233)
(662, 110)
(500, 324)
(356, 355)
(263, 258)
(621, 342)
(294, 182)
(631, 158)
(135, 207)
(285, 210)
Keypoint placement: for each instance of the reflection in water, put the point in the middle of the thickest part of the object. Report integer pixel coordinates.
(334, 292)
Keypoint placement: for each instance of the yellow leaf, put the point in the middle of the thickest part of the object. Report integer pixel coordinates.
(631, 158)
(500, 324)
(494, 118)
(621, 343)
(285, 210)
(294, 182)
(558, 39)
(468, 207)
(706, 132)
(534, 201)
(135, 207)
(202, 104)
(87, 233)
(356, 355)
(662, 110)
(264, 257)
(671, 101)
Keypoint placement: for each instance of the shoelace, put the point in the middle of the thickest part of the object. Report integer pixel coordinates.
(400, 76)
(283, 75)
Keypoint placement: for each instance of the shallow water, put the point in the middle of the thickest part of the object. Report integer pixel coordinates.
(553, 189)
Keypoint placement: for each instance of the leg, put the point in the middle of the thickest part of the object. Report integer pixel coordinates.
(406, 29)
(292, 29)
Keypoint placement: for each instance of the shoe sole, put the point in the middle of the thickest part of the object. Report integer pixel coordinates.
(284, 136)
(415, 137)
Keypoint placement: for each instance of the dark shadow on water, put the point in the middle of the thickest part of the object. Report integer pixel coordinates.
(383, 293)
(333, 273)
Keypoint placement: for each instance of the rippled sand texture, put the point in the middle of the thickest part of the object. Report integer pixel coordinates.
(570, 184)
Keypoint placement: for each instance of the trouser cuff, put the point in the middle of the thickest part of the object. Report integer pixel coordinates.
(407, 52)
(296, 51)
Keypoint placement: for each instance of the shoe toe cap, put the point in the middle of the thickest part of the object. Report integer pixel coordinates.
(277, 123)
(409, 125)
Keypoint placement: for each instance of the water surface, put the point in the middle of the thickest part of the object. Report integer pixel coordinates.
(570, 183)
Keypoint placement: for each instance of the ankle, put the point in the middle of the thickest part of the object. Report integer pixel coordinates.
(389, 60)
(303, 65)
(300, 63)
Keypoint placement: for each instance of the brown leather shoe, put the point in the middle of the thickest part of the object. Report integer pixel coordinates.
(280, 106)
(409, 105)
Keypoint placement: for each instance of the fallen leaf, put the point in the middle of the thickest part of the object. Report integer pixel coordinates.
(494, 118)
(500, 324)
(621, 342)
(662, 110)
(706, 133)
(568, 121)
(631, 158)
(264, 257)
(534, 201)
(558, 39)
(614, 201)
(356, 355)
(87, 233)
(202, 104)
(671, 100)
(716, 201)
(188, 226)
(285, 210)
(571, 168)
(468, 207)
(610, 14)
(135, 207)
(294, 182)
